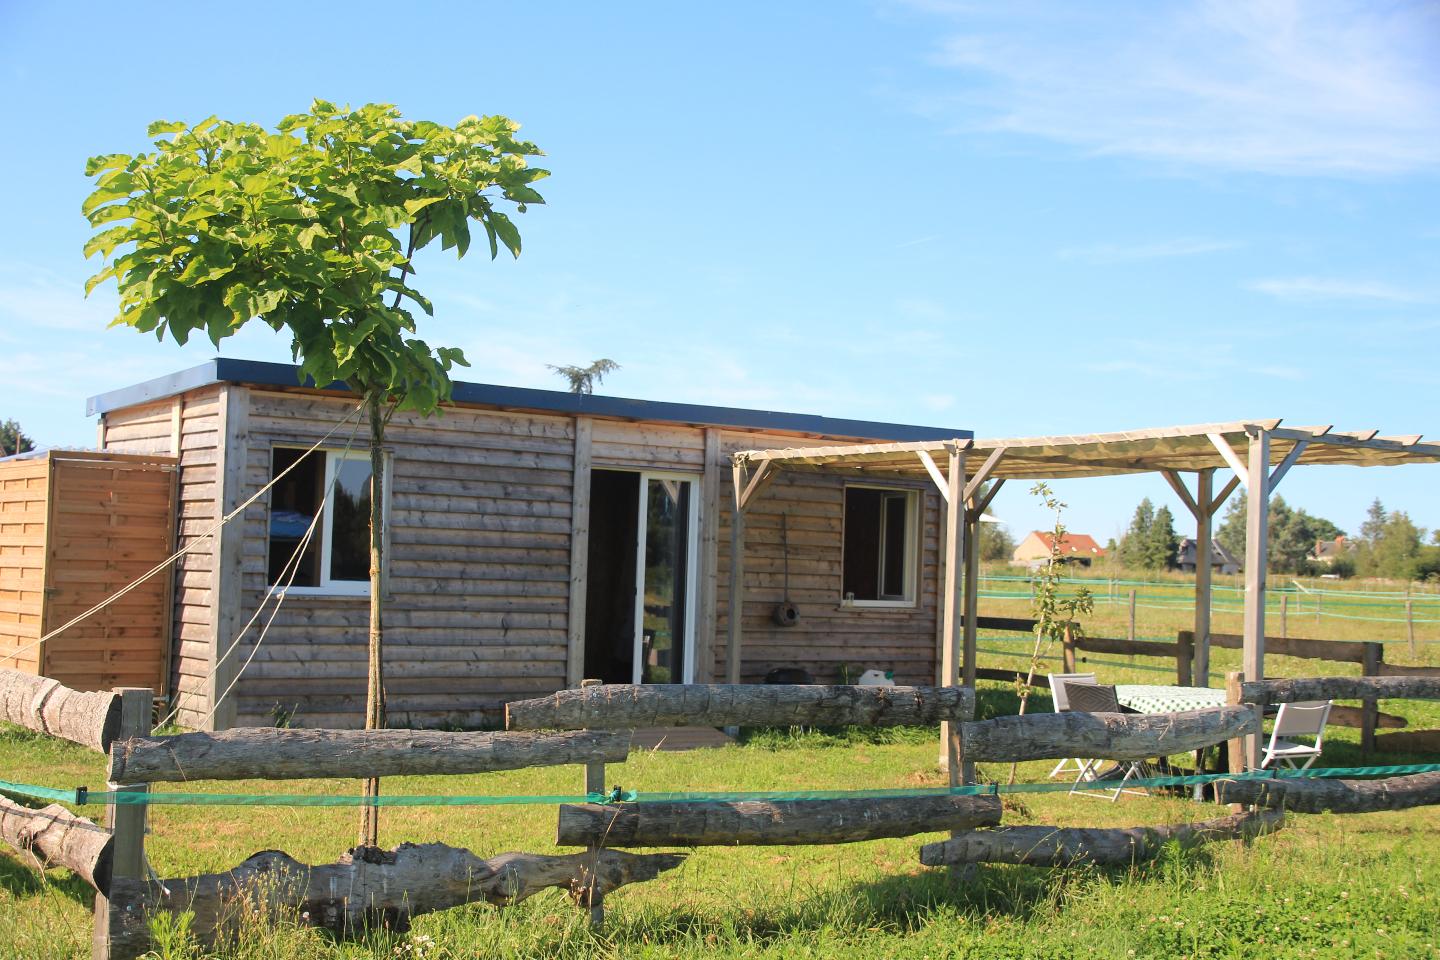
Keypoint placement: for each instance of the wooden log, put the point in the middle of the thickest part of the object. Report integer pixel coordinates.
(739, 704)
(1103, 736)
(1338, 796)
(1070, 846)
(295, 754)
(368, 888)
(53, 836)
(1303, 689)
(768, 822)
(44, 705)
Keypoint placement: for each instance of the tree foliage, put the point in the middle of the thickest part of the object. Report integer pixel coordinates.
(1294, 534)
(300, 226)
(1391, 546)
(1150, 542)
(582, 380)
(13, 440)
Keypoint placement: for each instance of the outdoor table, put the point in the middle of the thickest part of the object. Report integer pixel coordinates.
(1157, 698)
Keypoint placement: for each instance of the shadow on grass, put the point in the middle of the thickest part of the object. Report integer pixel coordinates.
(22, 881)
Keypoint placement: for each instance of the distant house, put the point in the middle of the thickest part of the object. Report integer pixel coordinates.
(1034, 550)
(1220, 559)
(1327, 551)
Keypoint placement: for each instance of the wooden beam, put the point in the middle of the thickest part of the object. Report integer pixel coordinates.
(1178, 485)
(984, 503)
(1231, 457)
(1257, 554)
(1224, 494)
(1204, 592)
(707, 620)
(951, 650)
(983, 474)
(1283, 467)
(579, 549)
(734, 633)
(756, 483)
(935, 474)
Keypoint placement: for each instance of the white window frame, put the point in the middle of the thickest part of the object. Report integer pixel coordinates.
(692, 565)
(329, 587)
(912, 548)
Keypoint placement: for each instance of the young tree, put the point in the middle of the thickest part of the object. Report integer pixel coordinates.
(1134, 543)
(583, 379)
(13, 439)
(302, 226)
(1161, 544)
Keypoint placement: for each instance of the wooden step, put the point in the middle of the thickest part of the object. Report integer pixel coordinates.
(679, 738)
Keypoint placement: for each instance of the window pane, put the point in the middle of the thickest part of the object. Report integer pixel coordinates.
(294, 501)
(350, 526)
(860, 577)
(667, 554)
(894, 560)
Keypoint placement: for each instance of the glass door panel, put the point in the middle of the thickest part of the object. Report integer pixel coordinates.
(665, 557)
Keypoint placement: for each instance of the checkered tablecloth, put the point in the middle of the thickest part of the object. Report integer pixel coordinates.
(1154, 698)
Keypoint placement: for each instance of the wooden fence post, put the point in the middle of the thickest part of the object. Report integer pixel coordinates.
(1132, 616)
(1185, 658)
(1410, 624)
(595, 783)
(127, 823)
(1284, 615)
(1370, 707)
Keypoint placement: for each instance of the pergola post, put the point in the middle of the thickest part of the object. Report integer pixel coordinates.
(1257, 536)
(952, 648)
(734, 633)
(1204, 530)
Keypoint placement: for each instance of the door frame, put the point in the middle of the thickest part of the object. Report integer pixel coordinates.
(692, 560)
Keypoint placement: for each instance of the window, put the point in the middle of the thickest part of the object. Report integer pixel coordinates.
(880, 546)
(337, 558)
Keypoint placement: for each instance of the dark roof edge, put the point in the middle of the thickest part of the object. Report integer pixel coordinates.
(261, 373)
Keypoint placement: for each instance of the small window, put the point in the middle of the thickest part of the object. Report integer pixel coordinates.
(337, 558)
(879, 561)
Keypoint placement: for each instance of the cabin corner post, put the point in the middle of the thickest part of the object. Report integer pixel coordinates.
(227, 613)
(951, 748)
(579, 551)
(1257, 534)
(126, 823)
(1204, 550)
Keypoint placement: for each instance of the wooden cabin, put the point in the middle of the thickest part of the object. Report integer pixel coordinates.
(534, 538)
(75, 528)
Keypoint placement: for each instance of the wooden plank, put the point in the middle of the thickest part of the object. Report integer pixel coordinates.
(708, 614)
(768, 822)
(613, 706)
(734, 631)
(228, 614)
(579, 549)
(1106, 736)
(1340, 651)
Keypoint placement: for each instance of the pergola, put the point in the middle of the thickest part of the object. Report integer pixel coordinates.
(1259, 452)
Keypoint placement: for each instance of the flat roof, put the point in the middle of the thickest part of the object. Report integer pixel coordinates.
(285, 375)
(1186, 448)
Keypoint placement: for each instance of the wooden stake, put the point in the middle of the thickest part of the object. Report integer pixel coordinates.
(595, 783)
(127, 826)
(1410, 624)
(1370, 707)
(1284, 615)
(1131, 633)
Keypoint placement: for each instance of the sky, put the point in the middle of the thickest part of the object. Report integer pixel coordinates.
(1018, 219)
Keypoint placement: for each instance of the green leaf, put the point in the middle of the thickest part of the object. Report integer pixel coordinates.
(165, 126)
(109, 161)
(509, 234)
(414, 206)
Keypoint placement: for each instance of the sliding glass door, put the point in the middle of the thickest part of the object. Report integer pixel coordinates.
(665, 563)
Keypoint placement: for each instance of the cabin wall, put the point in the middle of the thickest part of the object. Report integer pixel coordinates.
(186, 426)
(829, 636)
(478, 581)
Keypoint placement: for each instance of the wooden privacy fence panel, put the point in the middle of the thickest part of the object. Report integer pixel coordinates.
(271, 754)
(612, 706)
(46, 706)
(1103, 736)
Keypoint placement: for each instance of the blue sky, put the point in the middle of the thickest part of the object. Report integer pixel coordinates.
(1019, 219)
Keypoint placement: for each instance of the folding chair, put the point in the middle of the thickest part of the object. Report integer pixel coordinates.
(1062, 703)
(1297, 719)
(1098, 698)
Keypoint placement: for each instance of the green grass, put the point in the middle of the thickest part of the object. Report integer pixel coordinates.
(1326, 886)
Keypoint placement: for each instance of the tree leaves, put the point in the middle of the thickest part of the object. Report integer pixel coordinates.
(311, 227)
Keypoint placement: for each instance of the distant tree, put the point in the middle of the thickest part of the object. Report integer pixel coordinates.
(583, 379)
(1161, 542)
(1293, 534)
(1395, 551)
(1374, 526)
(1134, 543)
(995, 543)
(13, 439)
(1231, 532)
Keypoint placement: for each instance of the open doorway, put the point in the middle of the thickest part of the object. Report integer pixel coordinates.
(639, 609)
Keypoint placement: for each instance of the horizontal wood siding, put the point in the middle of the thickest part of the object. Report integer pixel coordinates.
(828, 636)
(196, 513)
(479, 541)
(24, 486)
(111, 522)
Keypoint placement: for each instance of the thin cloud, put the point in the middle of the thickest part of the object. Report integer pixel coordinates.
(1102, 253)
(1274, 87)
(1315, 289)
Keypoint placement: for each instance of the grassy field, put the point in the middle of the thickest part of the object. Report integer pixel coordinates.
(1326, 886)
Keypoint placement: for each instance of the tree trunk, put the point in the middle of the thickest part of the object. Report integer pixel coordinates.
(375, 679)
(768, 822)
(622, 705)
(43, 705)
(369, 888)
(1068, 846)
(269, 754)
(56, 837)
(1339, 796)
(1306, 689)
(1103, 736)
